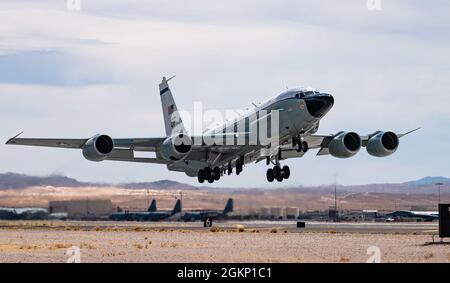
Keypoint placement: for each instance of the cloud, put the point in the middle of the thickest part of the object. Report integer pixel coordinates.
(27, 68)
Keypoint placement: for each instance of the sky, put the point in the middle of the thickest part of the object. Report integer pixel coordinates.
(70, 73)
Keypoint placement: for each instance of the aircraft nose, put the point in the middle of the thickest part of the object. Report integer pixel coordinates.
(319, 105)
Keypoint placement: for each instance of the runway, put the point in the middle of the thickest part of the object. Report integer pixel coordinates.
(350, 227)
(424, 228)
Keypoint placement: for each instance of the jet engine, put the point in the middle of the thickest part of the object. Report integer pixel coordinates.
(382, 144)
(176, 147)
(345, 145)
(98, 148)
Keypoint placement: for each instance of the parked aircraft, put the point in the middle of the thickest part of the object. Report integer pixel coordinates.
(426, 216)
(150, 215)
(207, 216)
(23, 213)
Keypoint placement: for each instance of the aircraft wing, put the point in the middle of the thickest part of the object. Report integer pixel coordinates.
(123, 148)
(128, 155)
(314, 141)
(323, 142)
(61, 143)
(318, 141)
(138, 144)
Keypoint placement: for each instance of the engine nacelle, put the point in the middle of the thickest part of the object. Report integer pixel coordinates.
(345, 145)
(176, 147)
(383, 144)
(98, 148)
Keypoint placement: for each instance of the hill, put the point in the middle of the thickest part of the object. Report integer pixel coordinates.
(21, 181)
(429, 181)
(10, 181)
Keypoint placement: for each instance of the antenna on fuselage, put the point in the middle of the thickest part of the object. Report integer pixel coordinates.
(235, 111)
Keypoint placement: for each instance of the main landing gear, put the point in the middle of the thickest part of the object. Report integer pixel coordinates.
(278, 173)
(209, 175)
(214, 174)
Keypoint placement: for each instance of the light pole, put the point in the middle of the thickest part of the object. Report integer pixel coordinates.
(439, 191)
(336, 216)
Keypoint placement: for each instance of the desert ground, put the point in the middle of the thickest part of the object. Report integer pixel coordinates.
(244, 200)
(46, 241)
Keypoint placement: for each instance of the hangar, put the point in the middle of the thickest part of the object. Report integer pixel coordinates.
(82, 209)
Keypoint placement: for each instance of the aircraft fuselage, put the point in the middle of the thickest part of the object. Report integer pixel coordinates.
(299, 110)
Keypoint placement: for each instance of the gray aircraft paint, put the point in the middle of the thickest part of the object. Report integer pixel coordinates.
(299, 113)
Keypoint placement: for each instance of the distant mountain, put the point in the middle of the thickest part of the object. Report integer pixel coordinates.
(429, 181)
(22, 181)
(19, 181)
(421, 186)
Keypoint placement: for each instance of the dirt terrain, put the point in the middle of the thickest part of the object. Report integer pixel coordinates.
(50, 242)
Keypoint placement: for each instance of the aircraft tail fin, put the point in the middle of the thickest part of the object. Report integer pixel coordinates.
(228, 206)
(177, 207)
(152, 207)
(172, 120)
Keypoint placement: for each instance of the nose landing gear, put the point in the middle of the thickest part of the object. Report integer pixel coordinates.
(214, 174)
(300, 145)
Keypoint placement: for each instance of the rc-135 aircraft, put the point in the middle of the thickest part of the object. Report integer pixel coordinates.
(298, 112)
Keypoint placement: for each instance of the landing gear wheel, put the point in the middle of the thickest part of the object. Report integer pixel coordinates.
(286, 172)
(301, 146)
(270, 176)
(238, 169)
(201, 176)
(208, 175)
(216, 173)
(207, 222)
(207, 172)
(277, 172)
(305, 146)
(230, 169)
(298, 147)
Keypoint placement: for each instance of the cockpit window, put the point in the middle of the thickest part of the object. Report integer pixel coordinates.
(300, 95)
(308, 93)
